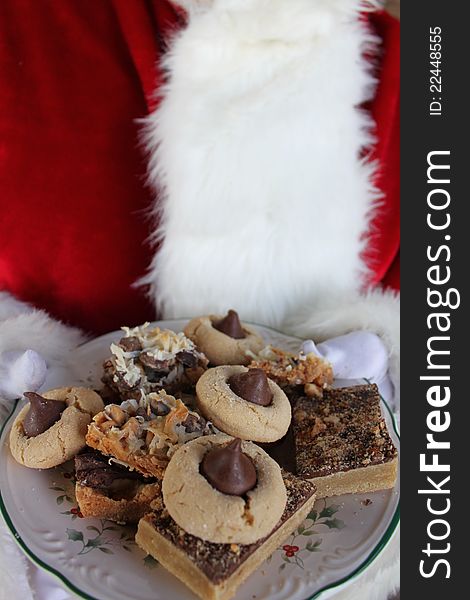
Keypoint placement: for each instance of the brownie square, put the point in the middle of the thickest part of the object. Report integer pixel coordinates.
(342, 432)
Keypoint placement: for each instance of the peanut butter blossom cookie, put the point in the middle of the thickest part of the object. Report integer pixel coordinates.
(224, 340)
(224, 490)
(244, 403)
(51, 428)
(215, 571)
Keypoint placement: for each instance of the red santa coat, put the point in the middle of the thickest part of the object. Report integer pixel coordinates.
(75, 78)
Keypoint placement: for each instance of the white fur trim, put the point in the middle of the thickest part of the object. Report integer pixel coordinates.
(20, 372)
(13, 568)
(33, 330)
(255, 147)
(11, 307)
(37, 331)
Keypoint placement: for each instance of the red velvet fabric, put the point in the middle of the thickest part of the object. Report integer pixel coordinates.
(74, 77)
(383, 252)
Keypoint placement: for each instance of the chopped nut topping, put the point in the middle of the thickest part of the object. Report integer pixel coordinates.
(288, 369)
(158, 424)
(116, 414)
(343, 430)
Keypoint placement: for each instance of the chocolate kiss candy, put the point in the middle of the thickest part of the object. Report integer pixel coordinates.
(229, 470)
(230, 325)
(42, 414)
(252, 386)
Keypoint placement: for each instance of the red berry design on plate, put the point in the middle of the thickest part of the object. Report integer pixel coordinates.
(290, 550)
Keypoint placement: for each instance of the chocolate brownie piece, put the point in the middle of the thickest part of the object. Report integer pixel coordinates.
(110, 491)
(342, 442)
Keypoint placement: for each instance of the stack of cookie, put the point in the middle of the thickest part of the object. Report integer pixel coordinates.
(134, 437)
(228, 506)
(176, 450)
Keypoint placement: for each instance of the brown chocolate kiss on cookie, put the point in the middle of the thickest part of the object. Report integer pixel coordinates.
(252, 386)
(229, 470)
(42, 414)
(230, 325)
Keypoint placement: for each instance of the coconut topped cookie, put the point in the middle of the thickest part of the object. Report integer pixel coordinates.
(145, 434)
(224, 339)
(224, 490)
(244, 403)
(148, 359)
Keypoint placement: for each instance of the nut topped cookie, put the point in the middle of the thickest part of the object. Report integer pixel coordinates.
(51, 428)
(224, 490)
(244, 403)
(224, 340)
(291, 371)
(145, 434)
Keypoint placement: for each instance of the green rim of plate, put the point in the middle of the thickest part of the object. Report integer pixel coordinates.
(383, 542)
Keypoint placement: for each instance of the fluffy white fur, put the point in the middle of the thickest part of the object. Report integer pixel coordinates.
(255, 149)
(256, 146)
(13, 568)
(11, 307)
(24, 328)
(37, 331)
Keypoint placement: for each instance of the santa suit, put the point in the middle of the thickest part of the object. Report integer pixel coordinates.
(76, 77)
(80, 223)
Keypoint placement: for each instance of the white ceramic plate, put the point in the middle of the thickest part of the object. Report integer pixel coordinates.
(98, 560)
